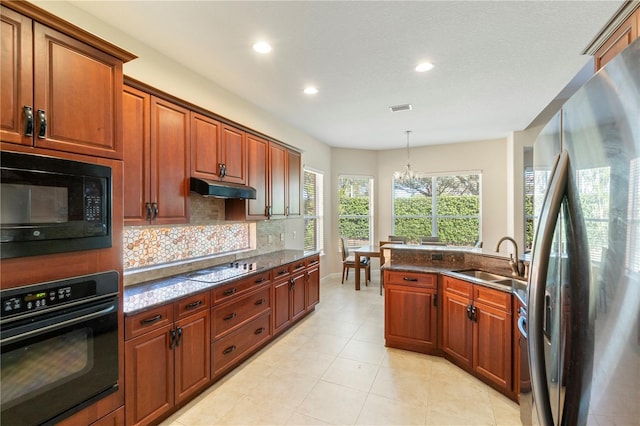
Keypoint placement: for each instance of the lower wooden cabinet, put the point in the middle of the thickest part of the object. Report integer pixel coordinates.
(166, 364)
(411, 311)
(174, 351)
(477, 331)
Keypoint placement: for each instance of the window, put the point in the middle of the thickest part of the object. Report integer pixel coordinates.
(355, 209)
(633, 239)
(446, 206)
(529, 217)
(312, 197)
(593, 188)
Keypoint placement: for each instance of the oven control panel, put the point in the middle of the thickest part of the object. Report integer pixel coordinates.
(37, 299)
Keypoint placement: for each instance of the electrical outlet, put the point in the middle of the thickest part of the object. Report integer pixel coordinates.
(294, 235)
(269, 239)
(282, 236)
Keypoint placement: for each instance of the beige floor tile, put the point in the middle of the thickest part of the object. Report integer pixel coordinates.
(306, 361)
(209, 410)
(401, 386)
(378, 410)
(326, 344)
(354, 374)
(372, 333)
(406, 362)
(254, 411)
(299, 419)
(333, 403)
(290, 388)
(357, 350)
(505, 411)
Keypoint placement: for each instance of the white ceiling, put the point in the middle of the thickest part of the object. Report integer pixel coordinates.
(498, 64)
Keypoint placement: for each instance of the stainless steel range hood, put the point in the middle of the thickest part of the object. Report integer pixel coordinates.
(221, 189)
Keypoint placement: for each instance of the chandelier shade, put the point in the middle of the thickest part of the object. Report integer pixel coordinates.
(407, 176)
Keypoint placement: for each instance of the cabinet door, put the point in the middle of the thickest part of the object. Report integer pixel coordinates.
(277, 181)
(492, 345)
(298, 296)
(136, 134)
(313, 287)
(16, 76)
(457, 330)
(233, 153)
(169, 161)
(205, 140)
(411, 318)
(79, 89)
(149, 384)
(620, 39)
(293, 183)
(257, 177)
(281, 311)
(192, 355)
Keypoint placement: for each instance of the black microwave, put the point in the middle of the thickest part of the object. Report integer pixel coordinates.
(50, 205)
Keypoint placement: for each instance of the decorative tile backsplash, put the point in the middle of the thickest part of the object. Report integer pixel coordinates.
(148, 246)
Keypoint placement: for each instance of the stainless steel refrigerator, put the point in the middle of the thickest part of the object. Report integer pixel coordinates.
(583, 299)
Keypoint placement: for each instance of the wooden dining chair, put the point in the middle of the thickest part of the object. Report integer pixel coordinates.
(349, 261)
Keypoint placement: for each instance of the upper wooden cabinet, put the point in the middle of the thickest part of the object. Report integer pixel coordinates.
(274, 171)
(156, 160)
(294, 181)
(218, 151)
(616, 42)
(58, 92)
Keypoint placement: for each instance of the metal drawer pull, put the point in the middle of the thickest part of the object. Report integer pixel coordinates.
(260, 280)
(260, 302)
(410, 279)
(193, 305)
(284, 271)
(260, 330)
(230, 316)
(229, 350)
(42, 118)
(28, 119)
(151, 320)
(230, 291)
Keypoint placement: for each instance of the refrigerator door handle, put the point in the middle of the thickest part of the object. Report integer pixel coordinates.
(537, 283)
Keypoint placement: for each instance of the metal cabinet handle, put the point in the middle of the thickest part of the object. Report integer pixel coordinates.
(172, 342)
(259, 331)
(469, 312)
(229, 350)
(42, 119)
(179, 339)
(282, 272)
(156, 211)
(435, 299)
(522, 326)
(230, 316)
(259, 280)
(413, 280)
(229, 292)
(151, 320)
(193, 305)
(28, 120)
(260, 302)
(474, 314)
(148, 206)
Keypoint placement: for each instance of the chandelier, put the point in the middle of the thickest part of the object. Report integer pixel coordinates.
(407, 176)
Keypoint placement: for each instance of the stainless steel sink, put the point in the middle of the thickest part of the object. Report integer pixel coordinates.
(482, 275)
(513, 283)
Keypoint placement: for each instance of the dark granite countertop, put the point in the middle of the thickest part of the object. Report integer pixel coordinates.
(140, 297)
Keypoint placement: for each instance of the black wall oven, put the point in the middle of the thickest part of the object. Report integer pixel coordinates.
(59, 347)
(51, 205)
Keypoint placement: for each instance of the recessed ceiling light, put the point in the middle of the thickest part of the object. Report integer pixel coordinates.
(310, 90)
(424, 66)
(262, 47)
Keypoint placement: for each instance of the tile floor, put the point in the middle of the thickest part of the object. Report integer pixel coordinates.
(333, 368)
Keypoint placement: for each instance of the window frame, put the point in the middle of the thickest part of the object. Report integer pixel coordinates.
(370, 217)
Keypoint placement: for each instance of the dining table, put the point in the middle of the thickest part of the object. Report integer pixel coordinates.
(368, 251)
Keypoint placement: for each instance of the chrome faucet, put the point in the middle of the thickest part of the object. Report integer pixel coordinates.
(517, 266)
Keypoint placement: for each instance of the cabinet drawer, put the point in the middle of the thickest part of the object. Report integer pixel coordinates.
(192, 304)
(456, 286)
(233, 346)
(281, 272)
(313, 260)
(227, 291)
(297, 266)
(418, 279)
(231, 315)
(146, 321)
(495, 298)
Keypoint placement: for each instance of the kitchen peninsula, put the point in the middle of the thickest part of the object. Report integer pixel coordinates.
(455, 302)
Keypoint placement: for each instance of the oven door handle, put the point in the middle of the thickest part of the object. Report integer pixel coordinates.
(34, 329)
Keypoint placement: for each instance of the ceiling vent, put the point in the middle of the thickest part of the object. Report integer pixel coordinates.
(396, 108)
